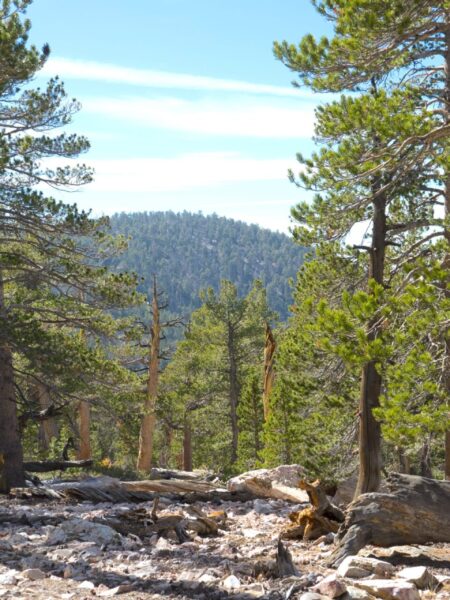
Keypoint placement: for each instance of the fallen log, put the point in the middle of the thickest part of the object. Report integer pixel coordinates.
(108, 489)
(415, 511)
(158, 473)
(45, 466)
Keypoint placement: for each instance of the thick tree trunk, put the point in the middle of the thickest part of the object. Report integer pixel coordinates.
(187, 446)
(84, 416)
(148, 423)
(269, 352)
(48, 428)
(415, 511)
(234, 393)
(11, 455)
(369, 429)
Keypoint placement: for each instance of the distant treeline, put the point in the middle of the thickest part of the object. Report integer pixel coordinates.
(189, 252)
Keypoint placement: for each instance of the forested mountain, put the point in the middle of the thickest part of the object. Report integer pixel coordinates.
(188, 252)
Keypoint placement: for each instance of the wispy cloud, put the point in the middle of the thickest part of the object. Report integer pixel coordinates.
(69, 68)
(189, 171)
(258, 119)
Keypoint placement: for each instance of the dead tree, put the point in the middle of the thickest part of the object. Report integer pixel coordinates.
(269, 352)
(148, 422)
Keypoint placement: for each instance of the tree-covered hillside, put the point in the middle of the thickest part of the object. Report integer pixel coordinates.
(188, 252)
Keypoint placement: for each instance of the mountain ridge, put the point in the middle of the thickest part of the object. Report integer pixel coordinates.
(190, 251)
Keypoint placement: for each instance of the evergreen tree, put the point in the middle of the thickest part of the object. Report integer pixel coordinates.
(50, 251)
(407, 47)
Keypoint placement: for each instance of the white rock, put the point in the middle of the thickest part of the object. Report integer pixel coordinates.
(33, 574)
(330, 586)
(9, 578)
(312, 596)
(86, 530)
(389, 589)
(119, 589)
(163, 544)
(358, 567)
(251, 533)
(354, 593)
(421, 577)
(86, 585)
(207, 578)
(231, 582)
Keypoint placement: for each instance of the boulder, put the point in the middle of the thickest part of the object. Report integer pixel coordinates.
(332, 586)
(354, 593)
(33, 574)
(231, 582)
(421, 577)
(358, 567)
(389, 589)
(280, 482)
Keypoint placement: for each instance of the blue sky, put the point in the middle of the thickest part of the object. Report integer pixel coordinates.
(185, 106)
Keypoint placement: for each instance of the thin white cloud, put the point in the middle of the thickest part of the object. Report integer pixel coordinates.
(208, 117)
(189, 171)
(69, 68)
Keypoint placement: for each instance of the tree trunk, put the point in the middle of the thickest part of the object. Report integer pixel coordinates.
(425, 460)
(369, 429)
(447, 256)
(11, 454)
(269, 351)
(404, 462)
(234, 393)
(148, 423)
(48, 428)
(187, 446)
(415, 511)
(84, 415)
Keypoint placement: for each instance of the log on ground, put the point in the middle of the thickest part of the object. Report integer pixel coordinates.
(45, 466)
(415, 511)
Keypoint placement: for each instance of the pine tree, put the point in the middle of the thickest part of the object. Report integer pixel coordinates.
(50, 251)
(407, 47)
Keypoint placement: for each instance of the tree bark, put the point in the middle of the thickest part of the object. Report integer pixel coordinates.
(187, 446)
(425, 460)
(269, 351)
(11, 454)
(48, 428)
(369, 476)
(148, 422)
(404, 461)
(234, 392)
(415, 511)
(84, 416)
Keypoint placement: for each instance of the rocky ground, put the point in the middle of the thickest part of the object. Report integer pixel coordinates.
(62, 550)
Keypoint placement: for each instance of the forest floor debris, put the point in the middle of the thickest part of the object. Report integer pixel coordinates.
(68, 550)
